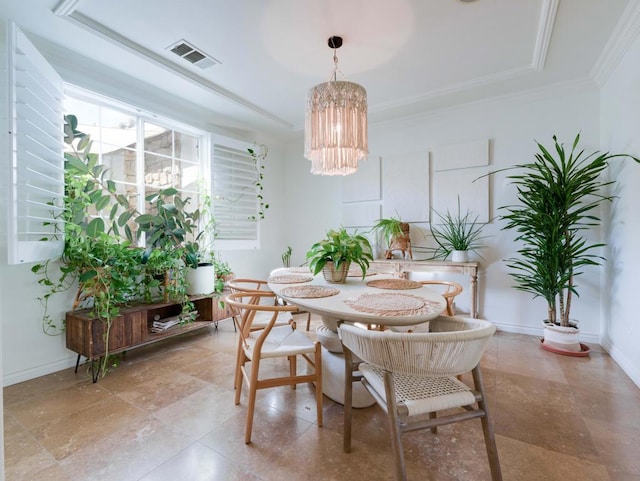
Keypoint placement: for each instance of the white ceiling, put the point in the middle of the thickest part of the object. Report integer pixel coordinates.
(411, 55)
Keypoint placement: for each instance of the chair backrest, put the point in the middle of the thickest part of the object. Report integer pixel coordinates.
(448, 289)
(454, 346)
(253, 285)
(250, 303)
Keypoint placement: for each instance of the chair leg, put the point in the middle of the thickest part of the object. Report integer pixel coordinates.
(434, 429)
(487, 428)
(238, 376)
(251, 404)
(394, 427)
(308, 320)
(348, 399)
(318, 369)
(293, 368)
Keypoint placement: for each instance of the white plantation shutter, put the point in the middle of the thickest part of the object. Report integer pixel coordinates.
(36, 180)
(234, 194)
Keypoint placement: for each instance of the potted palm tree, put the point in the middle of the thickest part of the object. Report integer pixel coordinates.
(558, 193)
(336, 252)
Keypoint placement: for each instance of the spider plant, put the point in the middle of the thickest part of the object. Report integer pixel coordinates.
(456, 232)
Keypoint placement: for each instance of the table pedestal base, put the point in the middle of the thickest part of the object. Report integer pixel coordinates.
(333, 381)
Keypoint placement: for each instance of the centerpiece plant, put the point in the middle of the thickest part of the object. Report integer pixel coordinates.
(336, 252)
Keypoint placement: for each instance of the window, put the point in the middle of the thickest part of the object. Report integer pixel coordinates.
(143, 154)
(235, 202)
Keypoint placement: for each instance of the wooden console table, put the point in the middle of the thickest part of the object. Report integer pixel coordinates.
(401, 267)
(132, 328)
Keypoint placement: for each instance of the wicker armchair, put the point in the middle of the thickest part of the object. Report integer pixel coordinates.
(271, 342)
(412, 376)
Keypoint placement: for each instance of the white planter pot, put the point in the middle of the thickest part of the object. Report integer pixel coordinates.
(201, 280)
(460, 256)
(562, 338)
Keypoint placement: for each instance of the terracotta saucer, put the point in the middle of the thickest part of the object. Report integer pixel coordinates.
(584, 350)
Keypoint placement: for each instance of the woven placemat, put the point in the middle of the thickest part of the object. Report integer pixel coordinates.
(309, 292)
(393, 304)
(394, 284)
(290, 279)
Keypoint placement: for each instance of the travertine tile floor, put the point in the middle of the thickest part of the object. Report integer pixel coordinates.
(167, 414)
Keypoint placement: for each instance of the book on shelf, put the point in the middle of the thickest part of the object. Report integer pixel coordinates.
(160, 325)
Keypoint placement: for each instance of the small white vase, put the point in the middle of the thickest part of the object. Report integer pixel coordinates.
(460, 256)
(201, 280)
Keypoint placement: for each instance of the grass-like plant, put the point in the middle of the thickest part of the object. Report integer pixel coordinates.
(456, 232)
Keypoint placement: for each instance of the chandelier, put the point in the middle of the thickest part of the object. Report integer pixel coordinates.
(335, 133)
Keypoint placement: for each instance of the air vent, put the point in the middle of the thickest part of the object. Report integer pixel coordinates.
(192, 55)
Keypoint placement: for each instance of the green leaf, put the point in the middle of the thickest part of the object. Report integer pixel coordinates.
(95, 227)
(102, 202)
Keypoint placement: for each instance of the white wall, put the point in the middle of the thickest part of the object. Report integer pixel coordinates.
(620, 132)
(511, 124)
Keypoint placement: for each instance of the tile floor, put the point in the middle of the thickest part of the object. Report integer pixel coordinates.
(167, 414)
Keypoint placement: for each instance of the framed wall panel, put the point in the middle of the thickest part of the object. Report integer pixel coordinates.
(461, 155)
(473, 192)
(360, 214)
(405, 187)
(364, 185)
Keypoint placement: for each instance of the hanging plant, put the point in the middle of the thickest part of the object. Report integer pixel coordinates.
(258, 163)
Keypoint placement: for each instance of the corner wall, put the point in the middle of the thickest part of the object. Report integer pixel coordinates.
(620, 100)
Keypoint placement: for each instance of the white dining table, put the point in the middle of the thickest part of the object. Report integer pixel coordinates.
(357, 300)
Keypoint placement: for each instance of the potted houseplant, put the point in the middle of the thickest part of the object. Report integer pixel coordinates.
(336, 252)
(456, 234)
(558, 193)
(395, 234)
(171, 229)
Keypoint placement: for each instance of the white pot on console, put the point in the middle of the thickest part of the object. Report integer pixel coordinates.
(460, 256)
(201, 280)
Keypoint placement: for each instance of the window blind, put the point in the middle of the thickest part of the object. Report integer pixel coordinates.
(36, 184)
(234, 194)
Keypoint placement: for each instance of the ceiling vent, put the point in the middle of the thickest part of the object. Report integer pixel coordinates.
(197, 57)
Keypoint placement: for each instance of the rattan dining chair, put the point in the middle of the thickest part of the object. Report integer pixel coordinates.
(271, 342)
(412, 376)
(449, 291)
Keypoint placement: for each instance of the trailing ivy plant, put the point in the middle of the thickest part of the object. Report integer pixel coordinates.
(101, 230)
(258, 158)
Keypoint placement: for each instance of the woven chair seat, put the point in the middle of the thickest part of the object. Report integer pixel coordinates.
(281, 341)
(420, 395)
(262, 319)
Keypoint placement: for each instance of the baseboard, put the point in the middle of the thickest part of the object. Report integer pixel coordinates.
(538, 331)
(627, 366)
(37, 371)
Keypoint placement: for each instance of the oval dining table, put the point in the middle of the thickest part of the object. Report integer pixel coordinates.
(378, 299)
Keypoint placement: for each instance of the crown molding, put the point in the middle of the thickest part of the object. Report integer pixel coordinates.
(125, 43)
(455, 88)
(545, 29)
(66, 7)
(624, 34)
